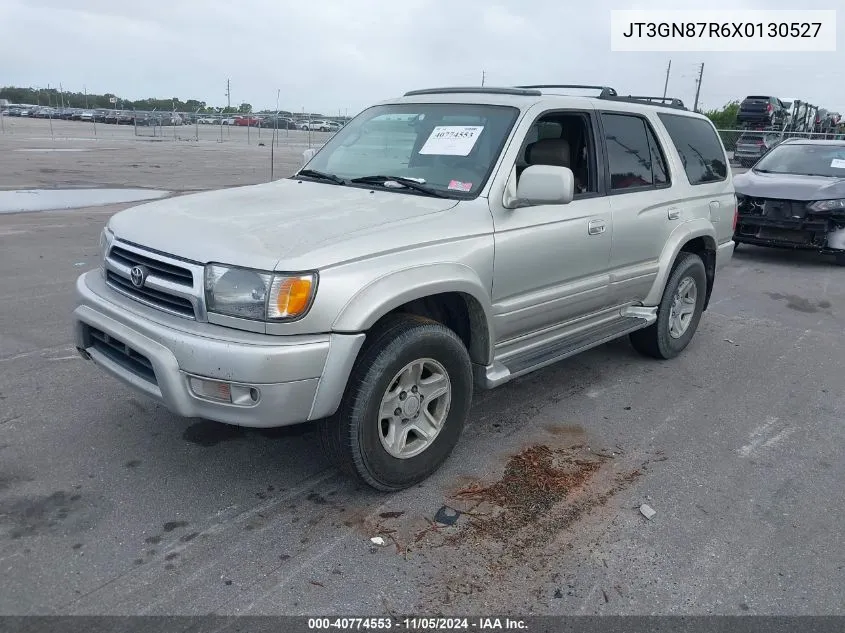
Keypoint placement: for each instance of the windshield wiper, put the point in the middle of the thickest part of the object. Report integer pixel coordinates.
(313, 173)
(410, 183)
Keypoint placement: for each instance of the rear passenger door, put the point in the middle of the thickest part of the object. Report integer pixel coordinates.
(705, 174)
(643, 203)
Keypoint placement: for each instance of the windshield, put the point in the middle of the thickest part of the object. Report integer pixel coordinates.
(449, 148)
(804, 158)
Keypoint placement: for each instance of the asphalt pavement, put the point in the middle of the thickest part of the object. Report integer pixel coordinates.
(111, 505)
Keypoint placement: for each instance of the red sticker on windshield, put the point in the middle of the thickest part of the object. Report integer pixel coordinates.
(457, 185)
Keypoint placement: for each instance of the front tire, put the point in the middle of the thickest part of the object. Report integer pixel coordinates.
(405, 405)
(679, 311)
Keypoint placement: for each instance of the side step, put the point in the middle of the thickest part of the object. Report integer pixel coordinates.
(530, 360)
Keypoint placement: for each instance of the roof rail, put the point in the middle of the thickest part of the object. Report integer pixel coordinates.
(475, 90)
(606, 91)
(669, 102)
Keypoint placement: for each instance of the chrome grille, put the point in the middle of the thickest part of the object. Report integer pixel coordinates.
(162, 270)
(171, 285)
(151, 297)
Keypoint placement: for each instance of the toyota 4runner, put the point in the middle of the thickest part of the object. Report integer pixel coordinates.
(448, 239)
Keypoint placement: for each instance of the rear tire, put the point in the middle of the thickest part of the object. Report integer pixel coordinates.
(391, 451)
(679, 311)
(839, 259)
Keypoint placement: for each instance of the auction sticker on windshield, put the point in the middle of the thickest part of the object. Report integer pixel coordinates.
(838, 163)
(457, 185)
(452, 140)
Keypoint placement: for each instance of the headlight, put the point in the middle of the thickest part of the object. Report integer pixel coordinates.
(828, 205)
(106, 237)
(256, 294)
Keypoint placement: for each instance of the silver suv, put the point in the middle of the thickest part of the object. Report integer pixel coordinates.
(447, 239)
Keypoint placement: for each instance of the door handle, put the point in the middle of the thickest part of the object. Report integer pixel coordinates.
(596, 227)
(674, 213)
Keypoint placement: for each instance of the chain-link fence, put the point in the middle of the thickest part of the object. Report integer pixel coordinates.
(234, 127)
(745, 147)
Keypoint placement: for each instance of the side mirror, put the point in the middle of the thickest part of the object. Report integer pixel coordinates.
(307, 155)
(544, 184)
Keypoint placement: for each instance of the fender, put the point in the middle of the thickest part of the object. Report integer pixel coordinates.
(681, 235)
(416, 282)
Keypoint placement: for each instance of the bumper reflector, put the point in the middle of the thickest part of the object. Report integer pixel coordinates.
(219, 391)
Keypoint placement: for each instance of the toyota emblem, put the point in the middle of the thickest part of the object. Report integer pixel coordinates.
(138, 275)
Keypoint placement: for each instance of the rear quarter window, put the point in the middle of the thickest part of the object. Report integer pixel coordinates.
(701, 151)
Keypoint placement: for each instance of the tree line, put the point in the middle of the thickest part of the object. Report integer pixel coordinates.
(725, 117)
(52, 97)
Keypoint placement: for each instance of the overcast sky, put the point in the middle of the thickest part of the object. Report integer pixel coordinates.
(338, 56)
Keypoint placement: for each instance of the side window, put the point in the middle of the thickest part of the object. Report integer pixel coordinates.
(659, 170)
(628, 153)
(701, 150)
(562, 139)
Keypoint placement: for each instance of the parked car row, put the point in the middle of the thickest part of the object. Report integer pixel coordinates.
(135, 117)
(268, 121)
(98, 115)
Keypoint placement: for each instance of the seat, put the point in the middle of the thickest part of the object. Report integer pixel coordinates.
(549, 151)
(555, 152)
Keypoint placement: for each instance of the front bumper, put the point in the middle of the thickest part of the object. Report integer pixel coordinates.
(295, 378)
(811, 233)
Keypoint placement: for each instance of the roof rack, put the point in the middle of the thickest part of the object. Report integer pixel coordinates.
(522, 92)
(606, 91)
(669, 102)
(536, 90)
(610, 94)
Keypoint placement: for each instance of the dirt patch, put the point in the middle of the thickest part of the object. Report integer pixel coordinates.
(515, 530)
(534, 481)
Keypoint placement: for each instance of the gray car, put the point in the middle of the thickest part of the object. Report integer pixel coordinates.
(795, 198)
(752, 146)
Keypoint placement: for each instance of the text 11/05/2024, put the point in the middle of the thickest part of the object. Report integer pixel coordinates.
(413, 624)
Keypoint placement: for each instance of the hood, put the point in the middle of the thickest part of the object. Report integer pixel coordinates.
(260, 225)
(789, 186)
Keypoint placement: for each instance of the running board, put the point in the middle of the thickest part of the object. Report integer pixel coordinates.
(533, 359)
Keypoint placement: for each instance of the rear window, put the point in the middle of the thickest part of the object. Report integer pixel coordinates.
(702, 153)
(763, 98)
